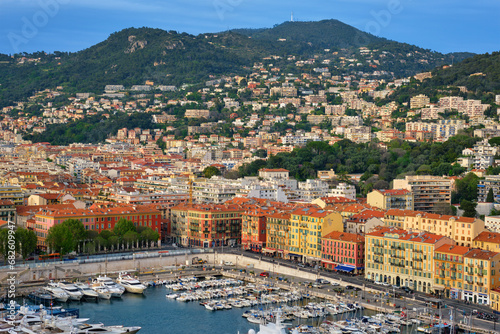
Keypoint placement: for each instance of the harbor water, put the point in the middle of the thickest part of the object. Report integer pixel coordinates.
(157, 314)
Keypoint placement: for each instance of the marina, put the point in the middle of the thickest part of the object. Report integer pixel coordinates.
(246, 308)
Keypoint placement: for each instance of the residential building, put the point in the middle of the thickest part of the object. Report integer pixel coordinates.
(206, 225)
(488, 241)
(12, 193)
(492, 223)
(482, 273)
(96, 218)
(307, 226)
(391, 199)
(449, 274)
(419, 101)
(343, 190)
(484, 186)
(253, 229)
(7, 210)
(364, 222)
(461, 230)
(343, 251)
(402, 258)
(278, 173)
(278, 234)
(427, 190)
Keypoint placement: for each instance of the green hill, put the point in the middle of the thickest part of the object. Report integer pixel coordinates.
(134, 55)
(480, 73)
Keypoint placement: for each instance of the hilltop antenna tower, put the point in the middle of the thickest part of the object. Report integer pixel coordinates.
(291, 17)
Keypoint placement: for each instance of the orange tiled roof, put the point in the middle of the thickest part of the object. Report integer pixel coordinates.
(453, 249)
(481, 254)
(344, 236)
(487, 236)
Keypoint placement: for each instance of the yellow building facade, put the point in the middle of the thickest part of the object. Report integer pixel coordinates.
(307, 226)
(402, 258)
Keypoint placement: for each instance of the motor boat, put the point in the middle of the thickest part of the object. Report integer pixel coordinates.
(88, 293)
(115, 289)
(130, 284)
(71, 290)
(102, 291)
(57, 293)
(100, 328)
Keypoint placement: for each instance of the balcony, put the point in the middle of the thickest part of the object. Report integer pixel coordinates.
(418, 259)
(479, 283)
(480, 273)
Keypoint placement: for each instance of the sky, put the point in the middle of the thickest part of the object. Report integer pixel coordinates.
(73, 25)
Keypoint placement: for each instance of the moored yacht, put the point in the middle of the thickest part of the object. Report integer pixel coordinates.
(87, 292)
(115, 289)
(57, 293)
(102, 291)
(70, 289)
(130, 284)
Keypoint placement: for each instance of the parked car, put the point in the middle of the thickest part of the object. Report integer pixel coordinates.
(264, 274)
(335, 284)
(322, 281)
(349, 287)
(406, 289)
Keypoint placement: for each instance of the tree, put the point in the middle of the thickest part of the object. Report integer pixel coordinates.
(490, 197)
(466, 188)
(210, 171)
(4, 243)
(469, 208)
(27, 241)
(443, 208)
(77, 229)
(122, 227)
(60, 239)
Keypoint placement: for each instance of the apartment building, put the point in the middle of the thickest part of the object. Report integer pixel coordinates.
(343, 190)
(203, 225)
(402, 258)
(419, 101)
(461, 230)
(488, 241)
(449, 275)
(427, 190)
(343, 251)
(12, 193)
(95, 219)
(482, 273)
(484, 186)
(253, 229)
(391, 199)
(278, 234)
(307, 226)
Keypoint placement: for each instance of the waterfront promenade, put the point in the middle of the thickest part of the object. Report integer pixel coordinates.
(155, 266)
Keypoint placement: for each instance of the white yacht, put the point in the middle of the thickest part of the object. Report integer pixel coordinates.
(130, 284)
(57, 293)
(71, 290)
(102, 291)
(115, 289)
(87, 292)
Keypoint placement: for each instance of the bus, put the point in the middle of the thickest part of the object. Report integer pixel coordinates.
(49, 256)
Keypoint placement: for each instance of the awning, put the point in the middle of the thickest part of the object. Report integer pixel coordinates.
(344, 268)
(294, 255)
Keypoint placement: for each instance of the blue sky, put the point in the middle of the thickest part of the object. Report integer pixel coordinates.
(72, 25)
